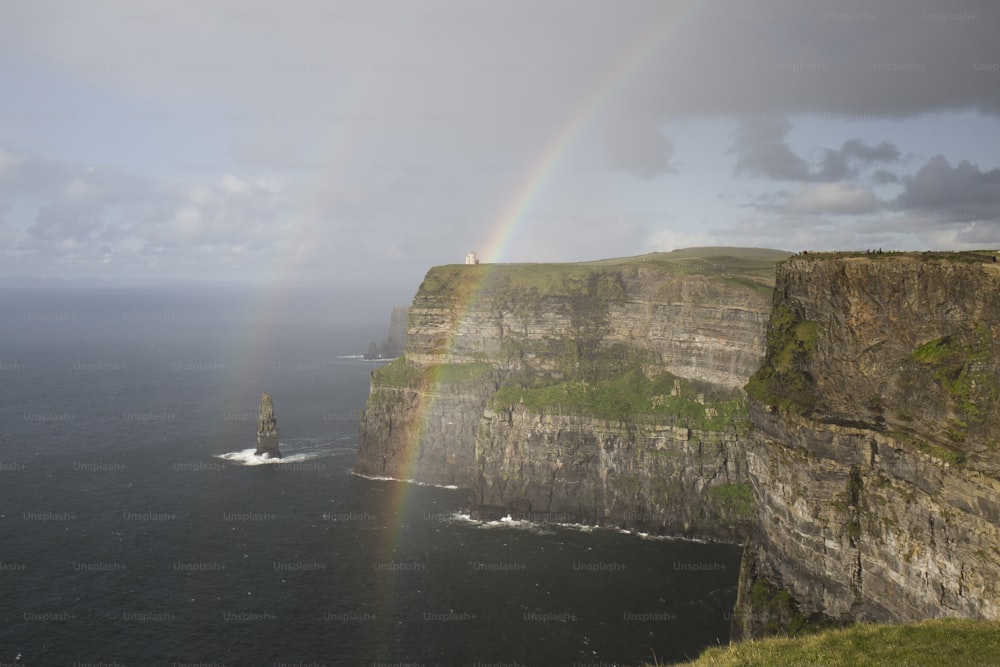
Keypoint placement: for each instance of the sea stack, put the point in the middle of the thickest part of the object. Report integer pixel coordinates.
(267, 429)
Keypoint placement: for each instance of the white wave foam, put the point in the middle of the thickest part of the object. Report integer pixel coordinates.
(665, 538)
(361, 357)
(380, 478)
(246, 457)
(545, 527)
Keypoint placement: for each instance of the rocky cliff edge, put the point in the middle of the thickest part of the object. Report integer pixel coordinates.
(874, 452)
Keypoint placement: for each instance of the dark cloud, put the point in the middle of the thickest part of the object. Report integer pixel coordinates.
(762, 150)
(962, 193)
(892, 58)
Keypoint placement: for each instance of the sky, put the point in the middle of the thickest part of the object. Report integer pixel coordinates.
(364, 142)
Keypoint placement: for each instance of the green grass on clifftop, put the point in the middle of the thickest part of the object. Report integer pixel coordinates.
(952, 642)
(750, 267)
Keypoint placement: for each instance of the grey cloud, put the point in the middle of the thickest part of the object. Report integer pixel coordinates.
(960, 193)
(762, 150)
(858, 150)
(419, 99)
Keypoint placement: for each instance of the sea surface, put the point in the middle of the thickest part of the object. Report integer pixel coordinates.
(137, 528)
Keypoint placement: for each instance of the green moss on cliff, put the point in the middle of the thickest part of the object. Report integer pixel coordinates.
(945, 454)
(958, 363)
(736, 499)
(933, 643)
(631, 394)
(774, 611)
(401, 374)
(782, 379)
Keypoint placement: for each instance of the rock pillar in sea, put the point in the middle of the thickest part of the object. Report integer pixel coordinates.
(267, 429)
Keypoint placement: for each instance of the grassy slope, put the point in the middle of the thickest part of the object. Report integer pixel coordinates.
(933, 643)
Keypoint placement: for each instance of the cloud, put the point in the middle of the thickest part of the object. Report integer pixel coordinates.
(373, 136)
(89, 215)
(860, 151)
(961, 193)
(762, 150)
(825, 199)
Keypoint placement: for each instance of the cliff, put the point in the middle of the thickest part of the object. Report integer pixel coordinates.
(602, 391)
(873, 453)
(395, 341)
(862, 461)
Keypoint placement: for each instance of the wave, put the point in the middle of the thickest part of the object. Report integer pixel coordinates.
(508, 522)
(248, 458)
(545, 527)
(380, 478)
(361, 357)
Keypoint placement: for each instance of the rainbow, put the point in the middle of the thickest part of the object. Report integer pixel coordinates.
(504, 230)
(614, 77)
(502, 235)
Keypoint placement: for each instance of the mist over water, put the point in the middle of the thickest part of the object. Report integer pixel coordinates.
(137, 528)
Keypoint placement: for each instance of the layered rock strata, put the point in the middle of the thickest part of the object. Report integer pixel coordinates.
(874, 449)
(528, 385)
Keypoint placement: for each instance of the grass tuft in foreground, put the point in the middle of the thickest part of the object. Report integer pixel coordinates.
(949, 641)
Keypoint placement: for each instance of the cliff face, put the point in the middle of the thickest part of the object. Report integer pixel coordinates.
(643, 474)
(604, 391)
(416, 428)
(696, 320)
(873, 452)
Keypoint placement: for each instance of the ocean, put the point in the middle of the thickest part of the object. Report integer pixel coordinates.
(136, 527)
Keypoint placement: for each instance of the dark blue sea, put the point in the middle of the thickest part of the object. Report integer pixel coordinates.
(136, 528)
